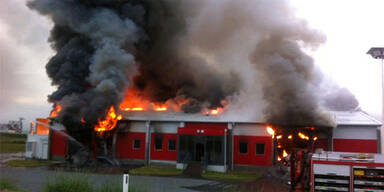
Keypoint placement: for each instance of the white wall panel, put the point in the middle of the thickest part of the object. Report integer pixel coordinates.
(325, 169)
(355, 132)
(249, 129)
(164, 127)
(159, 127)
(137, 126)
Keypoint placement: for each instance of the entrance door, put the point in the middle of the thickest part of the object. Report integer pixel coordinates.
(199, 151)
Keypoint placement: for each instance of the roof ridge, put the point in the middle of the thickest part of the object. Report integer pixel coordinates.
(369, 116)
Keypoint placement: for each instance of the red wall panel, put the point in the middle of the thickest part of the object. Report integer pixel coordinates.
(206, 125)
(124, 145)
(251, 158)
(322, 143)
(164, 153)
(58, 143)
(355, 145)
(203, 129)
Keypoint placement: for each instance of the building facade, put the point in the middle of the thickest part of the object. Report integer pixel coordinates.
(219, 143)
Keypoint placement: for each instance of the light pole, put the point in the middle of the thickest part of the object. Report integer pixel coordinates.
(378, 53)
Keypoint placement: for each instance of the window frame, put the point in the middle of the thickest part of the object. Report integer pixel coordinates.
(162, 142)
(175, 145)
(133, 144)
(259, 154)
(244, 142)
(29, 146)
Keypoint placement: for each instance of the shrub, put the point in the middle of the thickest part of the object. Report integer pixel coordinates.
(233, 175)
(156, 170)
(6, 184)
(27, 163)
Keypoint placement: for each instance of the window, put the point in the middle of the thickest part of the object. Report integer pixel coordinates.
(136, 143)
(243, 147)
(158, 142)
(214, 148)
(260, 148)
(172, 145)
(29, 146)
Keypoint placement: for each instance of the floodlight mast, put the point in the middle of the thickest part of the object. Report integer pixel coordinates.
(378, 53)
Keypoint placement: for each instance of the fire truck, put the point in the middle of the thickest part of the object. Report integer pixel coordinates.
(338, 171)
(323, 170)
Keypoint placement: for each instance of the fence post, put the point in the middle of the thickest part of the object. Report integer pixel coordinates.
(126, 181)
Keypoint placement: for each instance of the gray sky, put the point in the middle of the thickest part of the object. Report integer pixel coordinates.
(24, 51)
(351, 27)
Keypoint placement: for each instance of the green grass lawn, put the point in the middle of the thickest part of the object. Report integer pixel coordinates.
(82, 183)
(156, 170)
(7, 185)
(27, 163)
(233, 175)
(12, 143)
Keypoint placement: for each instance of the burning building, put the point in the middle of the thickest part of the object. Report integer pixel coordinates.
(220, 143)
(37, 145)
(179, 80)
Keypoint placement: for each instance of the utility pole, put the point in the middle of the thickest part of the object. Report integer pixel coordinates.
(20, 125)
(1, 79)
(378, 53)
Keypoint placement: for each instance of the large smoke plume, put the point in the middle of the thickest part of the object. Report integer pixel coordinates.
(206, 51)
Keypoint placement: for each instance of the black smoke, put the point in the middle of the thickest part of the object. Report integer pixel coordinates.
(205, 51)
(289, 83)
(104, 46)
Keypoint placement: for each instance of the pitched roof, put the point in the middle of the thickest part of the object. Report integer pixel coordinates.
(341, 117)
(355, 118)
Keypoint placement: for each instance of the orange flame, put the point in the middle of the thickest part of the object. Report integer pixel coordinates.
(32, 125)
(110, 121)
(55, 111)
(285, 154)
(216, 111)
(42, 126)
(303, 136)
(134, 100)
(137, 109)
(270, 131)
(162, 108)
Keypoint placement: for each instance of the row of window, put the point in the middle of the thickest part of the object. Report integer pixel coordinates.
(243, 148)
(158, 144)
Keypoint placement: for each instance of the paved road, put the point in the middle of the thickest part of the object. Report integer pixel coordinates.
(33, 180)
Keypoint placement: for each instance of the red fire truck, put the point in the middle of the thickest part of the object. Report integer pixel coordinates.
(338, 171)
